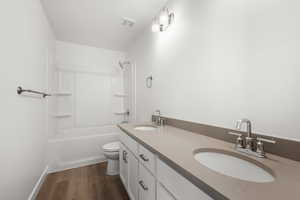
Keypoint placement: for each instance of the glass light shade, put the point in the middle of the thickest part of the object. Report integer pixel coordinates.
(155, 27)
(164, 18)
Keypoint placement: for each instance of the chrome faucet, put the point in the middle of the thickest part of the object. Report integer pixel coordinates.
(158, 112)
(249, 126)
(159, 121)
(247, 145)
(249, 138)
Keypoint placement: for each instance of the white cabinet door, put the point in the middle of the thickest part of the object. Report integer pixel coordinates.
(130, 143)
(132, 176)
(163, 193)
(124, 165)
(147, 158)
(176, 184)
(147, 188)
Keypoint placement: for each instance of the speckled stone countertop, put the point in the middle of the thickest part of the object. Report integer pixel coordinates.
(177, 147)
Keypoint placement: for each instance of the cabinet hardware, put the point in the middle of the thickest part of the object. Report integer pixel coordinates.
(125, 156)
(142, 156)
(142, 184)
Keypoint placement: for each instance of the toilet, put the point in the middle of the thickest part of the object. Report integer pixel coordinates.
(111, 152)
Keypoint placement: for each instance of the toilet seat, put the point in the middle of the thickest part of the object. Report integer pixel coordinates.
(111, 147)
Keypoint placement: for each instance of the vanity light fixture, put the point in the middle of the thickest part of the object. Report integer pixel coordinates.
(164, 20)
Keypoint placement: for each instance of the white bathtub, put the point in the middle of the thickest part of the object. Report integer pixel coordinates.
(79, 147)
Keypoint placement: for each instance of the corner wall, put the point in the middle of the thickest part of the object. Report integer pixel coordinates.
(27, 46)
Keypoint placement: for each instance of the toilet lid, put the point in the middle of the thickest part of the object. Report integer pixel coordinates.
(114, 146)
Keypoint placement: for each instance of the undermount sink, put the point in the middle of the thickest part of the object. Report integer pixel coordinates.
(234, 165)
(145, 128)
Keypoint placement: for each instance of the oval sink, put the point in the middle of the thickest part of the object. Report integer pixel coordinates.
(145, 128)
(229, 164)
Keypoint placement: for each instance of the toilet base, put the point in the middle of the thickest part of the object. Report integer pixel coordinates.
(112, 167)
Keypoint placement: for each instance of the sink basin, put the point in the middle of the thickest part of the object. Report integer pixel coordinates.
(234, 165)
(145, 128)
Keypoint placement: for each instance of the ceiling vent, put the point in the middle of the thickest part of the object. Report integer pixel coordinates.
(128, 22)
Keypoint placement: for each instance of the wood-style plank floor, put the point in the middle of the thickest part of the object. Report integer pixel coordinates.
(85, 183)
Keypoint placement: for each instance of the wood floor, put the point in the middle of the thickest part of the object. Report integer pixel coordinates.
(86, 183)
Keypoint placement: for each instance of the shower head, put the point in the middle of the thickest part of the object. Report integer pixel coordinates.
(122, 64)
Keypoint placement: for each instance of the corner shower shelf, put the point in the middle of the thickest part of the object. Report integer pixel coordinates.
(62, 115)
(120, 95)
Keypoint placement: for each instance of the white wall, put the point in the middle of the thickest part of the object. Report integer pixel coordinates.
(25, 52)
(93, 77)
(222, 61)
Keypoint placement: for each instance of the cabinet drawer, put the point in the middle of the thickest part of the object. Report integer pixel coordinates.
(176, 184)
(147, 158)
(146, 184)
(130, 143)
(163, 193)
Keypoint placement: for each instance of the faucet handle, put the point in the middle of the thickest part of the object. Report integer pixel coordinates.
(266, 140)
(260, 150)
(239, 140)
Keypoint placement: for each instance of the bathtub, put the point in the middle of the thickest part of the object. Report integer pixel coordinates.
(79, 147)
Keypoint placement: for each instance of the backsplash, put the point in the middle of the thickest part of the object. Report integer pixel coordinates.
(286, 148)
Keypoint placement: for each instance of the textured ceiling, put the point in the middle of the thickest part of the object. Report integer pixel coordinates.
(99, 22)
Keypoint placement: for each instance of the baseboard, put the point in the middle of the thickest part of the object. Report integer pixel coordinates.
(38, 185)
(77, 164)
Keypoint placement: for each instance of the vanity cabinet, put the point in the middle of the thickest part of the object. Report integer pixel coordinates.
(130, 144)
(133, 167)
(123, 157)
(147, 188)
(163, 193)
(146, 177)
(147, 159)
(178, 187)
(129, 171)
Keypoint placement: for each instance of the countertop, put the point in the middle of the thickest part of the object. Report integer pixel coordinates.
(177, 147)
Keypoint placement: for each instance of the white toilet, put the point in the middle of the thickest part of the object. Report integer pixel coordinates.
(111, 152)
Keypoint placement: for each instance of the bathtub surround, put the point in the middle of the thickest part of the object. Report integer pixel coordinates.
(222, 61)
(85, 119)
(27, 48)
